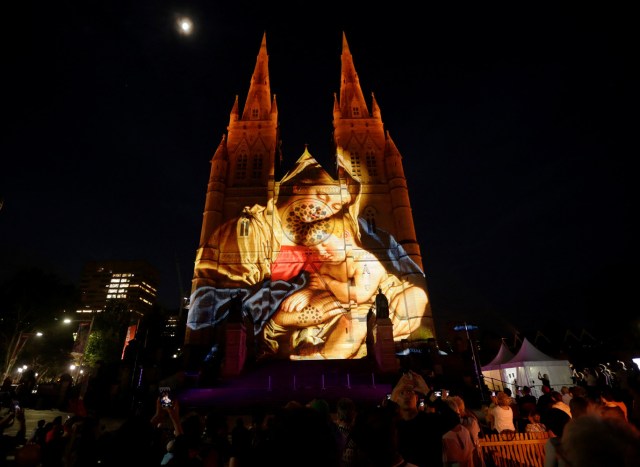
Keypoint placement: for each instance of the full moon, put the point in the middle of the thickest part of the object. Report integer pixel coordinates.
(185, 26)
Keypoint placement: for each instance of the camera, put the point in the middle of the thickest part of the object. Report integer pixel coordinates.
(165, 397)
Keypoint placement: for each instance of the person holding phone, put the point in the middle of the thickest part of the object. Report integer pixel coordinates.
(419, 431)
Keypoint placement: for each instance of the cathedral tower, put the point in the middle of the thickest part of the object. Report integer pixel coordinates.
(373, 157)
(243, 166)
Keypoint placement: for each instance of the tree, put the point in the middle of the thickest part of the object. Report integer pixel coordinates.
(108, 334)
(30, 300)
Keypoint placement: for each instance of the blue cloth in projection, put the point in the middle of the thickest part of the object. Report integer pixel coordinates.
(389, 252)
(211, 306)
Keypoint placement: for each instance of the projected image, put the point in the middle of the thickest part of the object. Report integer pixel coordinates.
(304, 270)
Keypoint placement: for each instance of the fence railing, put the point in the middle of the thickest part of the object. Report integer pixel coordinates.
(513, 449)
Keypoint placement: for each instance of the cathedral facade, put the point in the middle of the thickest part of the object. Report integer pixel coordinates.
(306, 265)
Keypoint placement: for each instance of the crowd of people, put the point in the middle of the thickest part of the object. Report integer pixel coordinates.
(414, 426)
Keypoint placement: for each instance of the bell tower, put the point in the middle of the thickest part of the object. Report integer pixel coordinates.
(243, 165)
(372, 157)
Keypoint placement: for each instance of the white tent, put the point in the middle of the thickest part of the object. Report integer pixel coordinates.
(523, 369)
(492, 372)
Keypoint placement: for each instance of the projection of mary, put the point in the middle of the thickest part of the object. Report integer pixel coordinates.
(267, 254)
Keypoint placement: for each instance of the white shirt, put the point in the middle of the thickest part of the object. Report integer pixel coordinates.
(502, 419)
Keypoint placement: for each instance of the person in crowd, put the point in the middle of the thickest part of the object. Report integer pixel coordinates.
(39, 433)
(512, 403)
(7, 394)
(545, 400)
(419, 432)
(54, 443)
(240, 441)
(82, 447)
(594, 441)
(558, 403)
(215, 447)
(301, 436)
(526, 403)
(605, 377)
(579, 406)
(346, 412)
(376, 438)
(534, 425)
(9, 443)
(500, 416)
(578, 391)
(544, 379)
(609, 399)
(566, 394)
(457, 446)
(470, 421)
(591, 381)
(555, 421)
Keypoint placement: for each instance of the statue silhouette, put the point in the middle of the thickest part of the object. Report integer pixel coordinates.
(382, 305)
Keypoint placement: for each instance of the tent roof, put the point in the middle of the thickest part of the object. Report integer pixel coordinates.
(503, 356)
(529, 353)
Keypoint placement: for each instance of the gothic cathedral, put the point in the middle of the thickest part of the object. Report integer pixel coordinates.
(306, 265)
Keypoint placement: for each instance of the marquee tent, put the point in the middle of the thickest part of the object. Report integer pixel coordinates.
(523, 368)
(492, 372)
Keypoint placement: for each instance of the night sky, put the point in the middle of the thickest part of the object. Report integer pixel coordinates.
(512, 126)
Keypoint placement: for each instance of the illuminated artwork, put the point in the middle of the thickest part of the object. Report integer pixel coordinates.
(305, 270)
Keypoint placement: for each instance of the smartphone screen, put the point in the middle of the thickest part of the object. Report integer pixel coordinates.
(165, 397)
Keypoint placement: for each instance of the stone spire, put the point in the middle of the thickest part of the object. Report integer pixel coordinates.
(352, 103)
(258, 104)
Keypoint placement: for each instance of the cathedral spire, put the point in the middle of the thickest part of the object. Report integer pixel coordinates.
(375, 110)
(258, 105)
(352, 103)
(235, 114)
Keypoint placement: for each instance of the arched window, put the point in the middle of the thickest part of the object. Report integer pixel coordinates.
(256, 169)
(370, 160)
(241, 167)
(356, 170)
(244, 227)
(370, 216)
